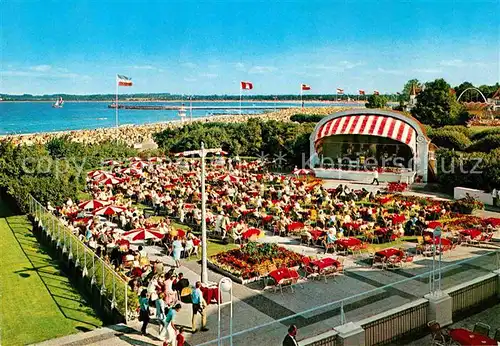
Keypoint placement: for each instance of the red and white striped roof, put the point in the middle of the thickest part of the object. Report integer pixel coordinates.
(375, 125)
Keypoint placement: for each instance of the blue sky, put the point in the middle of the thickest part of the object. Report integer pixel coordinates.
(201, 47)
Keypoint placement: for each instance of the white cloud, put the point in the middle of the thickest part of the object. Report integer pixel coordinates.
(209, 75)
(427, 70)
(453, 62)
(41, 68)
(143, 67)
(461, 63)
(350, 64)
(43, 74)
(261, 69)
(189, 64)
(189, 79)
(240, 66)
(389, 71)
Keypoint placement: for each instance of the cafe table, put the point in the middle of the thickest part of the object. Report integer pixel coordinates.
(389, 252)
(466, 337)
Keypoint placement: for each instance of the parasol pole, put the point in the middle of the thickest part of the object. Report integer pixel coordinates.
(204, 270)
(116, 102)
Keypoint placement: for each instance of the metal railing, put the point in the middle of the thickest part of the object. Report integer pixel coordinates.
(112, 287)
(396, 326)
(473, 295)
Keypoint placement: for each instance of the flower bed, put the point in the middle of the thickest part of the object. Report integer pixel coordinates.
(396, 187)
(253, 261)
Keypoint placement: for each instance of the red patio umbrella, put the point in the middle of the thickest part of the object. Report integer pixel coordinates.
(135, 158)
(142, 234)
(228, 178)
(102, 176)
(139, 164)
(303, 171)
(110, 181)
(130, 171)
(109, 210)
(96, 172)
(92, 204)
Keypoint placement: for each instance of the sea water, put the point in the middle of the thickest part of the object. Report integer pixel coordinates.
(32, 117)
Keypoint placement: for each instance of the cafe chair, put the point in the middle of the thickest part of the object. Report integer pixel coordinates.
(440, 337)
(497, 334)
(482, 328)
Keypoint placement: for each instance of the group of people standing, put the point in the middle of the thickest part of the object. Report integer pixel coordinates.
(166, 314)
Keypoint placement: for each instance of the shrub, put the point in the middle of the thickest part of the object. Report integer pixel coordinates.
(458, 128)
(481, 134)
(485, 144)
(306, 118)
(474, 170)
(450, 139)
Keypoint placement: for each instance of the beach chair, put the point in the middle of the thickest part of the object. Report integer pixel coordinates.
(393, 262)
(497, 334)
(309, 270)
(482, 328)
(439, 336)
(340, 268)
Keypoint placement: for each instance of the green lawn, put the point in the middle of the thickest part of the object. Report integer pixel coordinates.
(37, 302)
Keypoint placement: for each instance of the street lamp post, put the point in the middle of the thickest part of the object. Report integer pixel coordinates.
(204, 271)
(225, 285)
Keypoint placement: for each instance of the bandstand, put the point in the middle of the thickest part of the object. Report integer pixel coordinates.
(349, 145)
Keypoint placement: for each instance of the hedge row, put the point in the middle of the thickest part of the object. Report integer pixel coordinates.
(464, 139)
(306, 118)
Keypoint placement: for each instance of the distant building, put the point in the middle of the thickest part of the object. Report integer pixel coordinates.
(414, 91)
(494, 101)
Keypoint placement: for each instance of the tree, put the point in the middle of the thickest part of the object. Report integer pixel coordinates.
(376, 101)
(437, 106)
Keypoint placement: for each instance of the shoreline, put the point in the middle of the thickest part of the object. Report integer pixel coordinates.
(141, 133)
(194, 101)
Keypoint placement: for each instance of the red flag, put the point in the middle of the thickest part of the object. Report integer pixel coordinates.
(246, 85)
(123, 80)
(375, 92)
(361, 92)
(340, 91)
(305, 87)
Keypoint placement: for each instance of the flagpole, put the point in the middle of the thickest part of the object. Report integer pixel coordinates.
(116, 102)
(301, 101)
(241, 91)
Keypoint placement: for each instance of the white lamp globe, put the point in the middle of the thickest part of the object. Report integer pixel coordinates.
(226, 284)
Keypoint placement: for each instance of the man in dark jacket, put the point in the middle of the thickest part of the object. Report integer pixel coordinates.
(290, 337)
(180, 284)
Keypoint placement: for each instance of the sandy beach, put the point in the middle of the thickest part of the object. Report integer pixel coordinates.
(136, 134)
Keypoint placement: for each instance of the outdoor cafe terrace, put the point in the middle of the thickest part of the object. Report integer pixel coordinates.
(289, 231)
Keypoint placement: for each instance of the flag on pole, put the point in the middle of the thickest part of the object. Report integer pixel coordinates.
(246, 85)
(375, 92)
(361, 92)
(305, 87)
(123, 80)
(340, 91)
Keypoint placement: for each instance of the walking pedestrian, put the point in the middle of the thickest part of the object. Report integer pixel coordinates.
(144, 310)
(199, 306)
(176, 251)
(375, 176)
(290, 337)
(171, 336)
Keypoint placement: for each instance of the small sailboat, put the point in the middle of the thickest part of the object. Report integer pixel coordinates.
(59, 103)
(182, 112)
